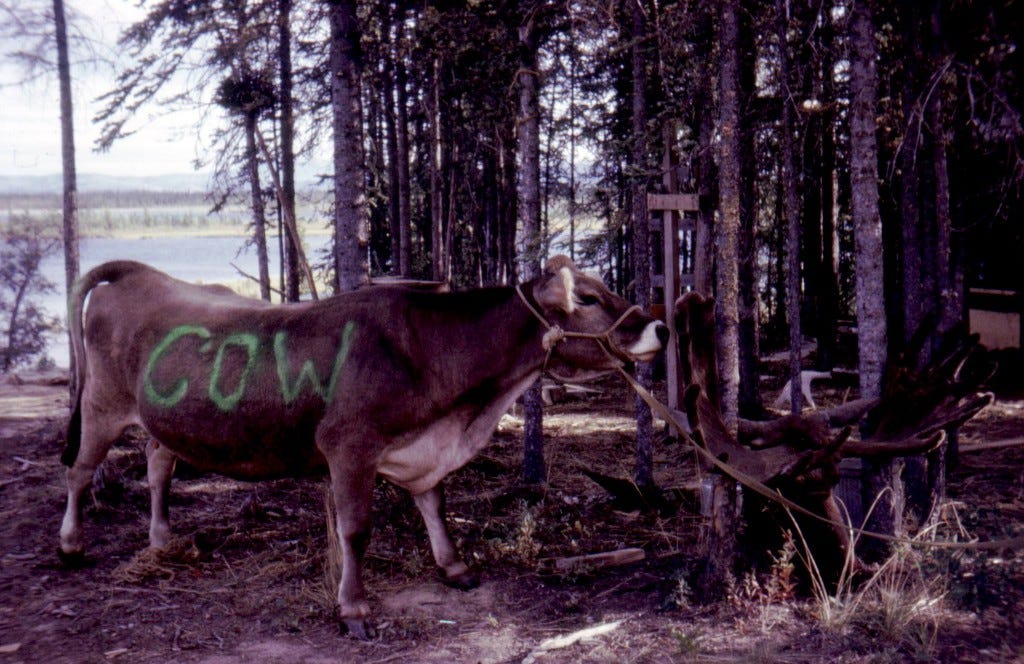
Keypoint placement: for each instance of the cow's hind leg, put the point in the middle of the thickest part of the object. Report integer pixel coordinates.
(453, 571)
(352, 489)
(159, 470)
(97, 438)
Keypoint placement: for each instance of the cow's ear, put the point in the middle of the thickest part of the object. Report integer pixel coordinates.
(557, 262)
(556, 290)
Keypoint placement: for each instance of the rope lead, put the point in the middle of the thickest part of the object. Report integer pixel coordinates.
(556, 334)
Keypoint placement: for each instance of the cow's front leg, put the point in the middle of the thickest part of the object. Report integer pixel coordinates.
(454, 572)
(353, 498)
(159, 470)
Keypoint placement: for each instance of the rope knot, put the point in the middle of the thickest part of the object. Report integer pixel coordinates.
(552, 337)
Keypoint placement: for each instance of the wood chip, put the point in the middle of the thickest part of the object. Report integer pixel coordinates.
(10, 648)
(567, 640)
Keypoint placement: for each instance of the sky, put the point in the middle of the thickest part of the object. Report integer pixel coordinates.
(30, 114)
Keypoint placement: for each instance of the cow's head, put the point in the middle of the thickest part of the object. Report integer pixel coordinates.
(578, 303)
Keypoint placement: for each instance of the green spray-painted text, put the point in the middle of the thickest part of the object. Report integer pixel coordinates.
(250, 344)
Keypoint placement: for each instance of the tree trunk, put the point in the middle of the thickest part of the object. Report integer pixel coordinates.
(828, 286)
(574, 65)
(259, 218)
(377, 212)
(914, 254)
(750, 404)
(914, 305)
(292, 271)
(720, 551)
(391, 140)
(351, 235)
(491, 225)
(404, 188)
(67, 153)
(436, 165)
(924, 495)
(867, 223)
(788, 175)
(703, 259)
(868, 251)
(509, 207)
(727, 237)
(530, 211)
(808, 182)
(641, 222)
(949, 298)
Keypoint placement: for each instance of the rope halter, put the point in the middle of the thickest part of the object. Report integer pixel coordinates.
(555, 334)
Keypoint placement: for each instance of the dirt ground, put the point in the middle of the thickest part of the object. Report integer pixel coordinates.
(245, 579)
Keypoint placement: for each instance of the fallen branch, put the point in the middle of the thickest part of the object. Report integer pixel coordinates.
(289, 218)
(276, 291)
(592, 560)
(25, 463)
(994, 445)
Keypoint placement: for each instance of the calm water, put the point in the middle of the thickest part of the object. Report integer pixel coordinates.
(197, 259)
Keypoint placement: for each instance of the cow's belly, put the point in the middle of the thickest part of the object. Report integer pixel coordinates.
(239, 448)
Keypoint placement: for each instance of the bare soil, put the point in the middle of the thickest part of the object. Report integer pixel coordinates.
(245, 579)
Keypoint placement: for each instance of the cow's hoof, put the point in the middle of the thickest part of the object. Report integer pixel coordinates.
(71, 559)
(466, 580)
(357, 627)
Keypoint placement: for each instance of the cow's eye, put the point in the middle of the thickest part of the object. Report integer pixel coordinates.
(587, 300)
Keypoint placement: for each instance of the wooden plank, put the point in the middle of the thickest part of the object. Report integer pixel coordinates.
(670, 253)
(680, 202)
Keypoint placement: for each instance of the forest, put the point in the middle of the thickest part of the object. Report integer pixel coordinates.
(470, 140)
(856, 167)
(862, 161)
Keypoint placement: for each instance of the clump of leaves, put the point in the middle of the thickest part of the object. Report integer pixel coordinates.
(687, 642)
(520, 541)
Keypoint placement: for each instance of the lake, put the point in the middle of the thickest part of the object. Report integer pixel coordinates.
(196, 259)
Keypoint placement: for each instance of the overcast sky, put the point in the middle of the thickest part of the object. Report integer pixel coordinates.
(30, 114)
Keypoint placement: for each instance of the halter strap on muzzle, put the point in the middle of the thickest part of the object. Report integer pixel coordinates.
(556, 334)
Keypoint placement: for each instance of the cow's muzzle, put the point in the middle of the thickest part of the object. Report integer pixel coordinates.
(652, 339)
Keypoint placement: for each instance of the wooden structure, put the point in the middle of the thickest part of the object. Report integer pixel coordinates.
(997, 316)
(674, 227)
(674, 221)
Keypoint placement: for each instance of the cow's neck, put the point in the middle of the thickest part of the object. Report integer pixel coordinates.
(510, 348)
(501, 356)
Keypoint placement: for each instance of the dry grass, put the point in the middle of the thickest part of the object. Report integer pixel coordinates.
(254, 563)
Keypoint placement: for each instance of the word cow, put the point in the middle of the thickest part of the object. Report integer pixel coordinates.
(402, 383)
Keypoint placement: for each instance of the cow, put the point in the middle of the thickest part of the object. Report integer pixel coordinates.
(387, 381)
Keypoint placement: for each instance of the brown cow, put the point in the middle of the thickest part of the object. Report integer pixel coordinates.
(407, 384)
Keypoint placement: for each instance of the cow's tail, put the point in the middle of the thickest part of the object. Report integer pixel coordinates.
(106, 273)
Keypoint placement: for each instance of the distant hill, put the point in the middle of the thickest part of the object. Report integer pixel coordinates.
(53, 184)
(308, 176)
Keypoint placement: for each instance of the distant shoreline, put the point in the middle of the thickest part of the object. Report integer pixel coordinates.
(170, 231)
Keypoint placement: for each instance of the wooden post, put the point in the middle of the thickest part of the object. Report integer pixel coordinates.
(671, 290)
(670, 242)
(720, 551)
(671, 206)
